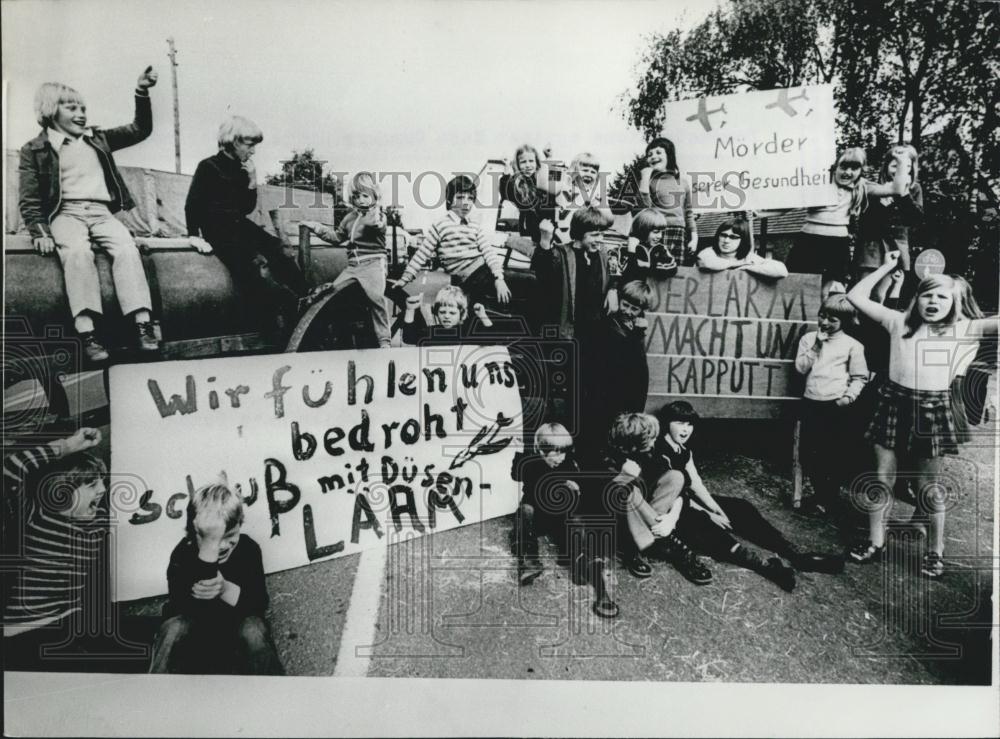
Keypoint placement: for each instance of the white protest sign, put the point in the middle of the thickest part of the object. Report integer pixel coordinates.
(756, 150)
(331, 451)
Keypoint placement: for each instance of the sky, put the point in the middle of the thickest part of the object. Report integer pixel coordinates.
(388, 86)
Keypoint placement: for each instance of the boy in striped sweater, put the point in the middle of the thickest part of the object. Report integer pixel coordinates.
(462, 248)
(57, 542)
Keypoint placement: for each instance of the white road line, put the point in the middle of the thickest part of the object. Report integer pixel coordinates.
(362, 615)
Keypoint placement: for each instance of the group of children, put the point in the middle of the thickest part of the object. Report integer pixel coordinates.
(645, 494)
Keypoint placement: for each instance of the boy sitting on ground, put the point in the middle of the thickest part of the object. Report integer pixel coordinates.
(215, 616)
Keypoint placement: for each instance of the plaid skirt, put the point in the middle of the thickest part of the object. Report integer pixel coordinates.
(918, 423)
(675, 241)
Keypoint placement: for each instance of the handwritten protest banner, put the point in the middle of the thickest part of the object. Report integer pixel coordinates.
(330, 451)
(726, 341)
(757, 150)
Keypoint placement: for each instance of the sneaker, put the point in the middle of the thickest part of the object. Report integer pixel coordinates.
(92, 347)
(686, 562)
(640, 567)
(933, 565)
(814, 562)
(865, 552)
(528, 570)
(147, 337)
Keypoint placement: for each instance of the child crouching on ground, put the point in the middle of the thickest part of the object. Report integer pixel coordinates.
(836, 373)
(647, 491)
(550, 493)
(215, 616)
(552, 505)
(363, 232)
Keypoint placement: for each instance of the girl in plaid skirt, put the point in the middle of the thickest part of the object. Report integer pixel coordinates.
(913, 420)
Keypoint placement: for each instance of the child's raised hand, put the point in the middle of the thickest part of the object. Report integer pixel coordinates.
(891, 259)
(83, 439)
(208, 589)
(147, 79)
(44, 245)
(480, 311)
(413, 302)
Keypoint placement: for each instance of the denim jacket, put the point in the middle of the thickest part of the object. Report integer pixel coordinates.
(38, 171)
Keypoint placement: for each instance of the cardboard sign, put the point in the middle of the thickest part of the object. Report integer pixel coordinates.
(756, 150)
(330, 451)
(726, 341)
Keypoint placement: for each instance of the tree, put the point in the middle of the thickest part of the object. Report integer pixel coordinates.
(304, 172)
(924, 72)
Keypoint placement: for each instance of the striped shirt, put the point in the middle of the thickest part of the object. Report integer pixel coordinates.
(461, 246)
(56, 555)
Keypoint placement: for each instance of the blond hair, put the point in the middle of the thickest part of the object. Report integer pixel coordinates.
(47, 99)
(228, 504)
(237, 127)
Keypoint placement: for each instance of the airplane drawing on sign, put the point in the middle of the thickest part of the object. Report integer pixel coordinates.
(703, 114)
(785, 103)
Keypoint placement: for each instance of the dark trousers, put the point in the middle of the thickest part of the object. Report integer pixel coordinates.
(829, 256)
(237, 246)
(238, 647)
(826, 445)
(701, 533)
(481, 287)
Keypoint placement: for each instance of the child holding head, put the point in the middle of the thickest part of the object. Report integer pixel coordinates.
(824, 246)
(70, 189)
(450, 312)
(836, 373)
(215, 615)
(914, 422)
(646, 250)
(362, 230)
(462, 247)
(664, 188)
(732, 250)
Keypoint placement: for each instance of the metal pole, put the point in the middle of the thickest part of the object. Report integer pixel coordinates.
(177, 112)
